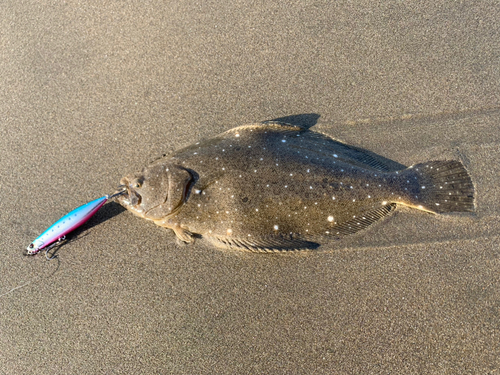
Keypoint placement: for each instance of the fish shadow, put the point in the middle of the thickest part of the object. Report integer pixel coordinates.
(304, 120)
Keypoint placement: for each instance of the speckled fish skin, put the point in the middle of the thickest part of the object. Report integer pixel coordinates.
(274, 187)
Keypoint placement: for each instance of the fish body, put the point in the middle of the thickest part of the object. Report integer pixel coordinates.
(66, 224)
(274, 186)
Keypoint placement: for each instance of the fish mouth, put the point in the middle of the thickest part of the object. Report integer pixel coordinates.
(127, 196)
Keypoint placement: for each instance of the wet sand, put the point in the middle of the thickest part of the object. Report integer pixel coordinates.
(91, 92)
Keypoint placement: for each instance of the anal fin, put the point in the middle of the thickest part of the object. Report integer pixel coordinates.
(362, 221)
(268, 244)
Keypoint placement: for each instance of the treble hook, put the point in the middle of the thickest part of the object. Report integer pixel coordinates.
(58, 242)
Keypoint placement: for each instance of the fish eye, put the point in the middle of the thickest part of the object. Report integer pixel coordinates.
(136, 184)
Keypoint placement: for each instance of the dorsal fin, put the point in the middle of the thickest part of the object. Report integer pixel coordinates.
(268, 125)
(353, 154)
(328, 146)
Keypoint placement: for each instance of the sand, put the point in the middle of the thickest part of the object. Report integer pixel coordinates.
(91, 92)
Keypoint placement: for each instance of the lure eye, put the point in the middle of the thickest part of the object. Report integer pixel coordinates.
(31, 246)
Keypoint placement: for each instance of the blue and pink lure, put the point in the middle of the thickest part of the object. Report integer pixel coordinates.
(66, 224)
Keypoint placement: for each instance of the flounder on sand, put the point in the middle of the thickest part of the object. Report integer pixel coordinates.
(276, 187)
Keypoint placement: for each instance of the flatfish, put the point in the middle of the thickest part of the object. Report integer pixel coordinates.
(276, 187)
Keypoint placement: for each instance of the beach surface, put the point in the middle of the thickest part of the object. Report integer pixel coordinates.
(91, 91)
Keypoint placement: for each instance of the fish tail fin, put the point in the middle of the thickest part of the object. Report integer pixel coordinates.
(444, 186)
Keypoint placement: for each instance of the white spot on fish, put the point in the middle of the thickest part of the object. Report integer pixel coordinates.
(330, 218)
(335, 156)
(275, 227)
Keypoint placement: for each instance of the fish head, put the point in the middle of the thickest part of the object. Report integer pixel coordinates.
(156, 191)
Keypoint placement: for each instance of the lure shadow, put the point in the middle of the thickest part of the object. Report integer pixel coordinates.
(108, 211)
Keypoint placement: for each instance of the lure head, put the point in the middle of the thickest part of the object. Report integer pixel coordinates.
(34, 247)
(155, 192)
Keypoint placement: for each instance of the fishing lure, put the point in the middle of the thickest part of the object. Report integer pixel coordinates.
(69, 222)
